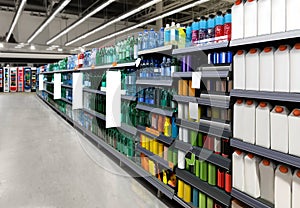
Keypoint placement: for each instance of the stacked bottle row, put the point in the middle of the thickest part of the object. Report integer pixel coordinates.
(252, 18)
(66, 79)
(270, 70)
(215, 28)
(220, 58)
(272, 182)
(67, 93)
(130, 115)
(94, 80)
(95, 102)
(155, 69)
(263, 125)
(128, 80)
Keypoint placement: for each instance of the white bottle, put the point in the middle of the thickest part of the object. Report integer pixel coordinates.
(294, 125)
(294, 67)
(252, 176)
(283, 187)
(278, 16)
(250, 18)
(249, 121)
(267, 73)
(263, 137)
(296, 189)
(181, 160)
(237, 12)
(279, 129)
(238, 119)
(173, 34)
(239, 72)
(267, 174)
(264, 8)
(252, 69)
(238, 170)
(282, 69)
(293, 15)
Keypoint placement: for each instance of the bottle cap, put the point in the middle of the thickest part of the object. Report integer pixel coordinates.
(267, 49)
(296, 112)
(173, 24)
(239, 101)
(239, 152)
(250, 0)
(253, 50)
(251, 156)
(238, 2)
(266, 162)
(297, 46)
(249, 102)
(228, 11)
(240, 52)
(298, 173)
(283, 169)
(282, 47)
(279, 109)
(263, 104)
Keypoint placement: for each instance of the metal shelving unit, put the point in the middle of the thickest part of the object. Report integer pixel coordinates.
(211, 191)
(67, 101)
(155, 82)
(151, 109)
(60, 71)
(209, 127)
(156, 50)
(205, 74)
(128, 97)
(94, 91)
(50, 93)
(161, 138)
(182, 203)
(250, 201)
(108, 66)
(208, 46)
(67, 86)
(50, 83)
(277, 96)
(268, 153)
(129, 129)
(94, 113)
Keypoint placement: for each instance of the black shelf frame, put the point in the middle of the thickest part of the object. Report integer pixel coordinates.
(268, 153)
(67, 86)
(250, 201)
(129, 129)
(161, 138)
(212, 191)
(94, 113)
(210, 129)
(50, 93)
(153, 109)
(66, 100)
(94, 91)
(276, 96)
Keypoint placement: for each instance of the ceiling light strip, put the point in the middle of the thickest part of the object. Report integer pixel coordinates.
(146, 22)
(71, 27)
(122, 17)
(47, 22)
(16, 18)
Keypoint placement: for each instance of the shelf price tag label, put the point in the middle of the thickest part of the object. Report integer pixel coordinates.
(196, 80)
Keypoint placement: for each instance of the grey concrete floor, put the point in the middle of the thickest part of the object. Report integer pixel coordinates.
(46, 163)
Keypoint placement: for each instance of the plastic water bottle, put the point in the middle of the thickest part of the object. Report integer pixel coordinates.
(167, 36)
(140, 41)
(161, 37)
(163, 66)
(151, 39)
(145, 40)
(188, 36)
(168, 68)
(173, 30)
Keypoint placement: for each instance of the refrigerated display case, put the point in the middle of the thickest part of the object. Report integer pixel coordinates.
(27, 79)
(20, 79)
(1, 79)
(13, 79)
(33, 79)
(6, 74)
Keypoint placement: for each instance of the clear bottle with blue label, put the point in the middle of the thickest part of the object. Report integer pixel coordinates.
(167, 36)
(202, 28)
(188, 36)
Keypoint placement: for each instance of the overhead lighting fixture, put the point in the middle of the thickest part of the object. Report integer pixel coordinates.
(122, 17)
(47, 21)
(16, 18)
(75, 24)
(59, 49)
(146, 22)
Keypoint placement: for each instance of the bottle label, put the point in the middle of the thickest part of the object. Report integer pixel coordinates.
(219, 30)
(202, 34)
(195, 36)
(173, 35)
(227, 30)
(210, 33)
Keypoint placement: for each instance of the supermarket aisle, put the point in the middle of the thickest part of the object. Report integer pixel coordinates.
(45, 163)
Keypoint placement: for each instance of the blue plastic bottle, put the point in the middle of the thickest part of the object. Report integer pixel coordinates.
(145, 40)
(202, 28)
(211, 26)
(195, 32)
(167, 35)
(174, 128)
(227, 24)
(161, 37)
(188, 36)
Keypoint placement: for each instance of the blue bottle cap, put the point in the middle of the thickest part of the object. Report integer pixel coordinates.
(219, 19)
(211, 22)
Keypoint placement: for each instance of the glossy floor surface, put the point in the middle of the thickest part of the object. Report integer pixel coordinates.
(46, 163)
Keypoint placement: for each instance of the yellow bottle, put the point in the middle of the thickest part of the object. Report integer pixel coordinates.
(167, 127)
(182, 36)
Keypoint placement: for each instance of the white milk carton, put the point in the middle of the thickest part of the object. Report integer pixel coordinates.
(294, 125)
(267, 176)
(278, 16)
(263, 137)
(252, 69)
(252, 186)
(292, 15)
(250, 18)
(264, 11)
(283, 187)
(239, 72)
(294, 68)
(237, 12)
(238, 170)
(249, 121)
(266, 72)
(282, 69)
(239, 119)
(296, 189)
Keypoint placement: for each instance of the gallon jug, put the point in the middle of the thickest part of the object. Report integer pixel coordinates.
(283, 187)
(263, 137)
(279, 129)
(264, 8)
(294, 67)
(294, 124)
(239, 121)
(249, 115)
(239, 72)
(278, 16)
(250, 18)
(292, 15)
(252, 69)
(266, 72)
(296, 189)
(252, 176)
(237, 11)
(282, 69)
(238, 170)
(267, 174)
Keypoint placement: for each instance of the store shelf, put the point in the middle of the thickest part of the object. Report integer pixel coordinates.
(250, 201)
(60, 71)
(182, 75)
(212, 191)
(159, 111)
(182, 146)
(50, 83)
(205, 74)
(211, 157)
(277, 96)
(208, 46)
(155, 82)
(94, 91)
(268, 153)
(108, 66)
(155, 158)
(128, 97)
(266, 38)
(218, 67)
(67, 86)
(205, 126)
(167, 191)
(182, 203)
(94, 113)
(50, 93)
(66, 100)
(157, 50)
(129, 129)
(161, 138)
(219, 101)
